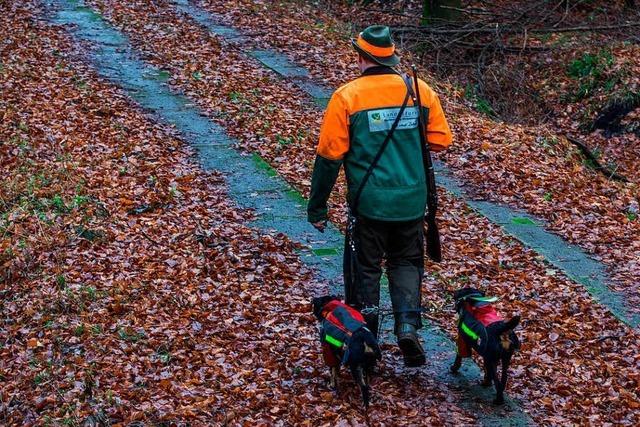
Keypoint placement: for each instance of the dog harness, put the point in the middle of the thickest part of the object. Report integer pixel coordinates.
(475, 314)
(339, 322)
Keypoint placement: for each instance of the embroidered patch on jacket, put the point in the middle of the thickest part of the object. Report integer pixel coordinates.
(382, 119)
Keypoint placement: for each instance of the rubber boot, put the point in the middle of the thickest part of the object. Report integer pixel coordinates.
(410, 345)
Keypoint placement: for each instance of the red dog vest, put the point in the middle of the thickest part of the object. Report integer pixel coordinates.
(340, 322)
(473, 321)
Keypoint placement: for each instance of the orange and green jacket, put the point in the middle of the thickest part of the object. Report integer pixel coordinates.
(355, 124)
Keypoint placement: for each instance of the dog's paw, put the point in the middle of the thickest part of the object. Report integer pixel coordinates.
(498, 401)
(485, 383)
(454, 369)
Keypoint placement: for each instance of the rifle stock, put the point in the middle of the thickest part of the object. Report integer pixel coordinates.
(432, 234)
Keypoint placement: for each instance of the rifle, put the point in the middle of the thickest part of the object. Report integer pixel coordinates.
(431, 227)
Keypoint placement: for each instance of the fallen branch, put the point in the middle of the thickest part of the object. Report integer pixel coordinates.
(609, 337)
(584, 28)
(589, 155)
(470, 11)
(506, 48)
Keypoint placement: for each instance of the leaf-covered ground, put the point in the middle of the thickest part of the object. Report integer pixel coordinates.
(132, 288)
(168, 314)
(568, 331)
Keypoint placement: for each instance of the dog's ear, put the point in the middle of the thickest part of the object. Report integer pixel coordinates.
(512, 323)
(463, 292)
(317, 304)
(460, 295)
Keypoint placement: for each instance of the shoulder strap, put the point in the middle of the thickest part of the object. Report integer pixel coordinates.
(409, 83)
(356, 200)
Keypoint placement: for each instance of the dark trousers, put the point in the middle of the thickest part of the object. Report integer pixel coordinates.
(402, 245)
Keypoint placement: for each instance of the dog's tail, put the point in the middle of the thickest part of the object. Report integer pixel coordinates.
(360, 377)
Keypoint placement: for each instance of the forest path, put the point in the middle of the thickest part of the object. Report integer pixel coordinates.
(253, 184)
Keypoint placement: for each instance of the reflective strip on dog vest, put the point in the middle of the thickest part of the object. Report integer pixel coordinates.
(331, 340)
(484, 299)
(468, 331)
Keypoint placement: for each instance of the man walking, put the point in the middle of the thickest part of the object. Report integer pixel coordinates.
(361, 127)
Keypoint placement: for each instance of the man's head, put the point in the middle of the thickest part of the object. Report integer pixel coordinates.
(375, 46)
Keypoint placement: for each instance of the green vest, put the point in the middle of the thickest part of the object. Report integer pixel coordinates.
(396, 190)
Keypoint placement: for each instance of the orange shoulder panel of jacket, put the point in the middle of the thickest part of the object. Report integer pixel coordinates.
(334, 132)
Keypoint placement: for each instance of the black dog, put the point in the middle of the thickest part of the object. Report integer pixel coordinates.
(481, 328)
(347, 341)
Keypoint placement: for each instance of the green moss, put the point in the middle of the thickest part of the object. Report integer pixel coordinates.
(263, 165)
(590, 64)
(296, 196)
(522, 221)
(284, 140)
(162, 75)
(481, 104)
(325, 251)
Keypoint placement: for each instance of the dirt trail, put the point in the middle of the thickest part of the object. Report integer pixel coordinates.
(564, 331)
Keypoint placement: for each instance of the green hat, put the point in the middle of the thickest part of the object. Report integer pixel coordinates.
(376, 44)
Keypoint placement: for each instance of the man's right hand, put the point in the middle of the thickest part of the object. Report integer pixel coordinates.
(320, 225)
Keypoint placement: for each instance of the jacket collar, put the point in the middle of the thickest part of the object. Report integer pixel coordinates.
(379, 69)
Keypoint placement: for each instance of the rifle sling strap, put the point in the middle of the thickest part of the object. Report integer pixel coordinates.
(424, 145)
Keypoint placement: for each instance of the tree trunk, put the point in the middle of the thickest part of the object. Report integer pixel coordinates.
(433, 10)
